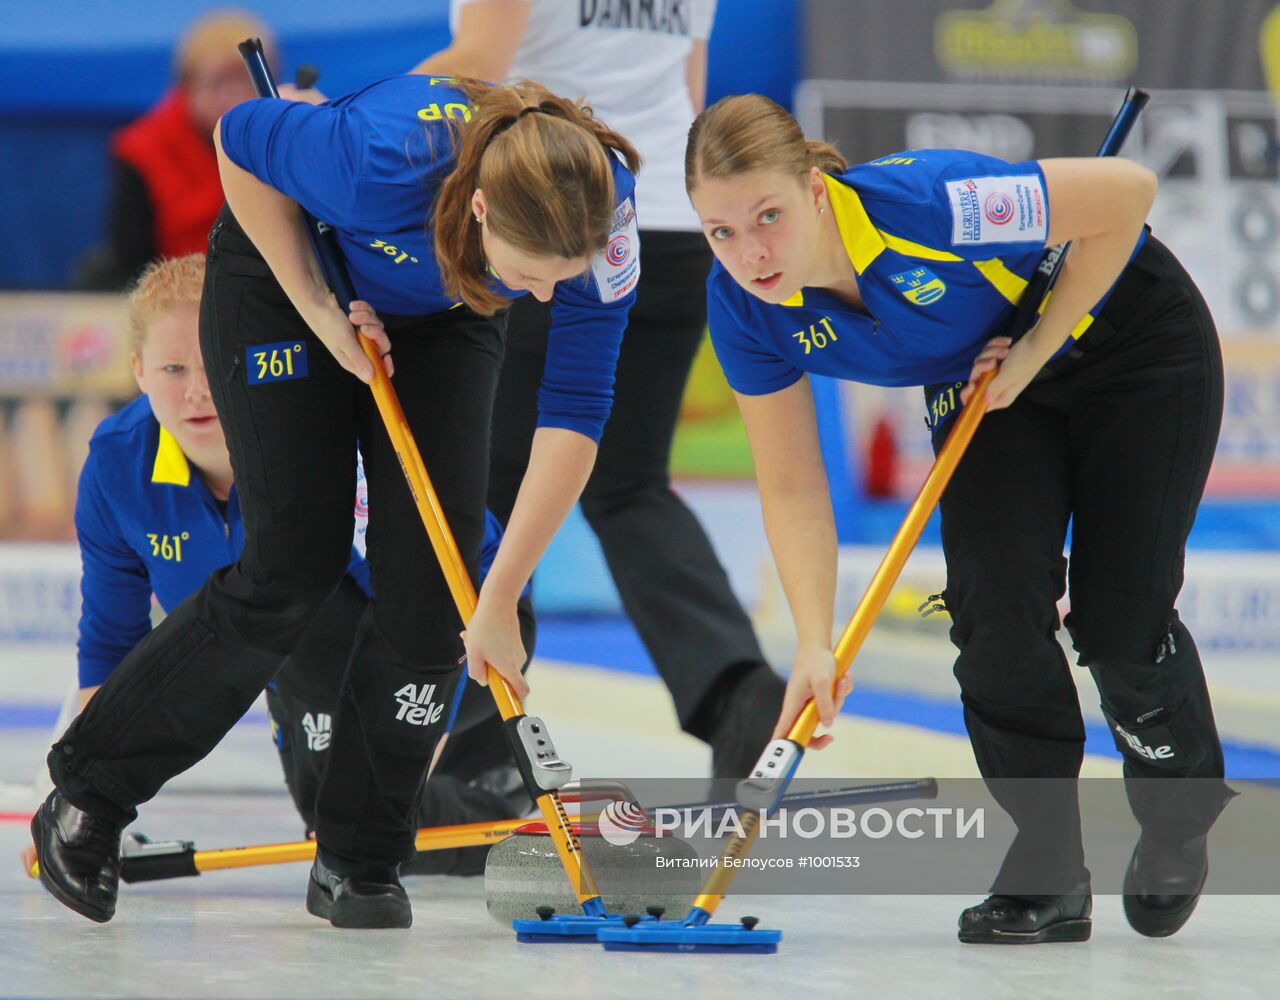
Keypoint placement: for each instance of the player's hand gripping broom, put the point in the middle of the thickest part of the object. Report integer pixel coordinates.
(773, 772)
(540, 766)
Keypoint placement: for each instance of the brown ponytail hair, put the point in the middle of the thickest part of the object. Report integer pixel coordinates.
(543, 164)
(750, 132)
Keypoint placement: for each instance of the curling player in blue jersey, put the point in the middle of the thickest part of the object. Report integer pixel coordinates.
(904, 272)
(646, 75)
(157, 512)
(448, 199)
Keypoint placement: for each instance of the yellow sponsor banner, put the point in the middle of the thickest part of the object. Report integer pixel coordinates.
(1269, 49)
(1036, 39)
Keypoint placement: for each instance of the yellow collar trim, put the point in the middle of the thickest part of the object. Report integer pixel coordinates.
(171, 464)
(862, 241)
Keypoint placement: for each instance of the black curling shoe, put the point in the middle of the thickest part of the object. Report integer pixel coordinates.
(79, 856)
(365, 901)
(1163, 884)
(1028, 919)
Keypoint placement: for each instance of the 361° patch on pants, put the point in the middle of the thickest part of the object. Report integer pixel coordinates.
(276, 362)
(941, 403)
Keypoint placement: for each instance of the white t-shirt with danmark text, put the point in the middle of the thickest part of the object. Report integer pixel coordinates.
(628, 59)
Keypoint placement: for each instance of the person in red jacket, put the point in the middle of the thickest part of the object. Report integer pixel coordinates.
(165, 190)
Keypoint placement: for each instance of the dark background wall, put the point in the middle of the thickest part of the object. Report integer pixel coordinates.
(71, 71)
(1184, 43)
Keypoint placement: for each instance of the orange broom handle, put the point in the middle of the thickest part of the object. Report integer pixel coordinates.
(904, 541)
(464, 597)
(432, 514)
(446, 549)
(438, 838)
(435, 838)
(717, 883)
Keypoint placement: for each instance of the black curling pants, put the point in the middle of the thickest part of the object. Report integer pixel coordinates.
(303, 698)
(1118, 442)
(292, 418)
(672, 586)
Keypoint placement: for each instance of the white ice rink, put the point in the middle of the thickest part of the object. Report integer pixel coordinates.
(245, 934)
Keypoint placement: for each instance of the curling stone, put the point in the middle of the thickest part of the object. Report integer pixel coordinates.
(523, 875)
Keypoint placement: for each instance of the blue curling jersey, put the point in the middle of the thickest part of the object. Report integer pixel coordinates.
(370, 164)
(943, 242)
(147, 525)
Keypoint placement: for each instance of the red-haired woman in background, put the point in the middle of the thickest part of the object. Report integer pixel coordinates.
(165, 190)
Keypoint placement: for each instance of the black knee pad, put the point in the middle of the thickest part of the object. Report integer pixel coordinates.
(1006, 604)
(307, 576)
(1010, 661)
(1108, 626)
(399, 697)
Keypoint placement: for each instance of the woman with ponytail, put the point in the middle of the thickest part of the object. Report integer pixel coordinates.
(647, 76)
(449, 198)
(906, 271)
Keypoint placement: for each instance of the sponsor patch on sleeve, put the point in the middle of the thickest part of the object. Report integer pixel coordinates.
(998, 210)
(616, 269)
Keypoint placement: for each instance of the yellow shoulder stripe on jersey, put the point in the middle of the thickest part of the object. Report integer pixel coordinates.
(862, 242)
(171, 465)
(1005, 281)
(1002, 279)
(1011, 287)
(908, 249)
